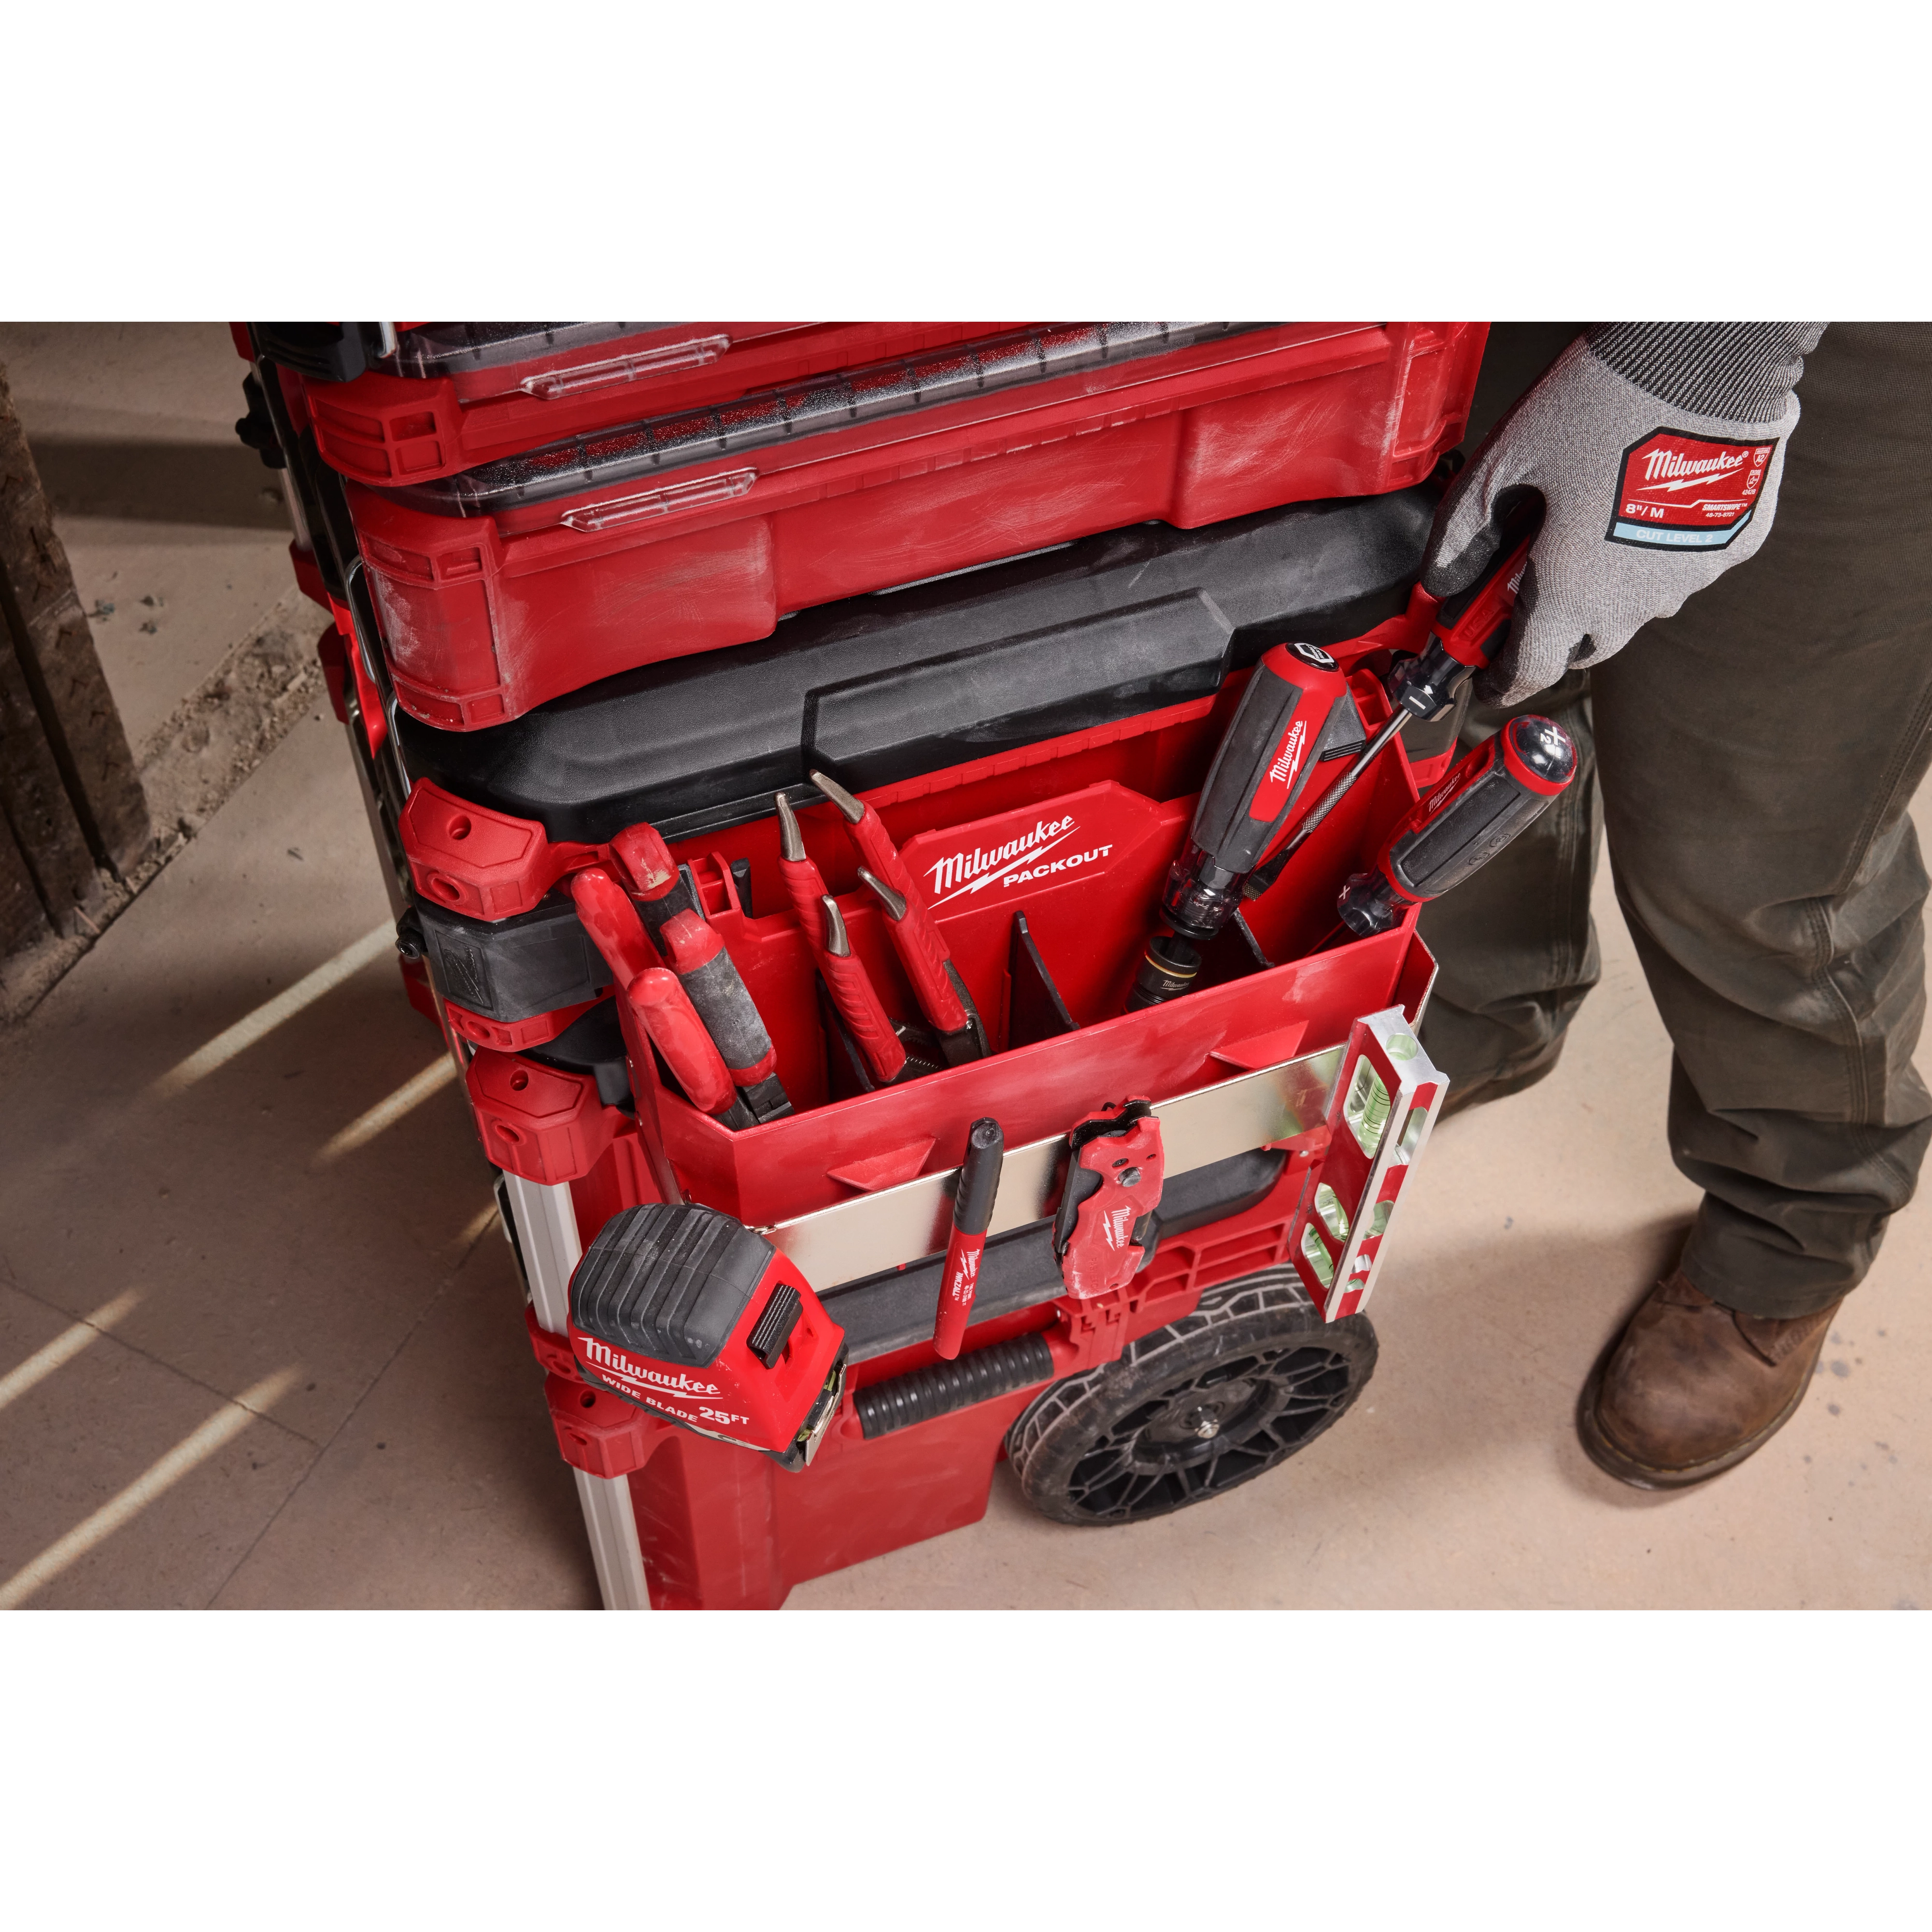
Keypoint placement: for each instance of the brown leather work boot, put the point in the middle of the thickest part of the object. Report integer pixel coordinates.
(1691, 1387)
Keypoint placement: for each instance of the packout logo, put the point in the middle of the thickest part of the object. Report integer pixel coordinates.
(634, 1370)
(1013, 862)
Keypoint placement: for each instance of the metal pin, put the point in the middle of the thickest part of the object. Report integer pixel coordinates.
(791, 841)
(839, 796)
(838, 940)
(893, 902)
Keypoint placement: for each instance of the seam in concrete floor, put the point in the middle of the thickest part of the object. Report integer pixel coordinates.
(322, 1449)
(71, 1320)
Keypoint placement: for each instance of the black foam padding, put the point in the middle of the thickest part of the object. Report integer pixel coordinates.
(593, 1043)
(943, 1387)
(668, 1283)
(887, 686)
(513, 969)
(883, 1313)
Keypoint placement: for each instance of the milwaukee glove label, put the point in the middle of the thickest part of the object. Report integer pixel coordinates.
(1680, 492)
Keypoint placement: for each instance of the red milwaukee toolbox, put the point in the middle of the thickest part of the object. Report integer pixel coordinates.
(517, 581)
(873, 1097)
(1040, 874)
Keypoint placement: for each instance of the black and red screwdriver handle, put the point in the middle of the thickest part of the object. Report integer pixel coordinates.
(972, 1215)
(1480, 804)
(1464, 631)
(1467, 629)
(1296, 709)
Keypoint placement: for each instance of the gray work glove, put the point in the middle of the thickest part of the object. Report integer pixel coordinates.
(1657, 449)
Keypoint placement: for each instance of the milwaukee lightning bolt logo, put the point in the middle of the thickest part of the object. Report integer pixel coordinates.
(1016, 861)
(1277, 785)
(1680, 492)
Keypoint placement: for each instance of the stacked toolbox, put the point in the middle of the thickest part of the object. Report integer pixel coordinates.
(1004, 582)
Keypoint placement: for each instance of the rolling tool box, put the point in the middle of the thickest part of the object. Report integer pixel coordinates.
(736, 1321)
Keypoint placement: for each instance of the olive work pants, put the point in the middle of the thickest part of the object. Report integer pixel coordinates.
(1751, 761)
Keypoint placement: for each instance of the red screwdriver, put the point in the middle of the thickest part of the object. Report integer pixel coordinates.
(1464, 633)
(972, 1215)
(1296, 709)
(935, 979)
(1488, 795)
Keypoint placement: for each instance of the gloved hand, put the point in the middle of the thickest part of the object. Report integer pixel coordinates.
(1657, 449)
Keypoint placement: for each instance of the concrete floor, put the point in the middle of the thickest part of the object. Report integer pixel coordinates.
(260, 1342)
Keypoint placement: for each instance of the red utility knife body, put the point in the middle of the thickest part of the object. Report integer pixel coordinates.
(1114, 1171)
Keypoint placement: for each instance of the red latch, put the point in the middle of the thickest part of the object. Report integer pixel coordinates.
(540, 1122)
(599, 1432)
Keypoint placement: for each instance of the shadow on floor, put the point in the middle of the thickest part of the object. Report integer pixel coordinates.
(161, 482)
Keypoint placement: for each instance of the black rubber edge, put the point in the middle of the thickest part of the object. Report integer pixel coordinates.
(880, 688)
(883, 1313)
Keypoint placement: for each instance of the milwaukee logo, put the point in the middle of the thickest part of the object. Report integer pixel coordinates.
(656, 1379)
(1288, 760)
(973, 869)
(1015, 862)
(1677, 491)
(1660, 464)
(1271, 795)
(960, 1286)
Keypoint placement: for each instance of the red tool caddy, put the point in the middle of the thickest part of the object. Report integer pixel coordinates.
(1031, 736)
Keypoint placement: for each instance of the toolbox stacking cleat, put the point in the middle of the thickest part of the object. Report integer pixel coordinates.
(790, 965)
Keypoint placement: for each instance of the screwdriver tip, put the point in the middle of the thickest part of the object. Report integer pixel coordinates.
(839, 796)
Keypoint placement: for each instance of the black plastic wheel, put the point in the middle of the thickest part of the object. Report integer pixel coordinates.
(1195, 1409)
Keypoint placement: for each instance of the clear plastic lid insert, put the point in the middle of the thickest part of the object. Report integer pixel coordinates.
(810, 406)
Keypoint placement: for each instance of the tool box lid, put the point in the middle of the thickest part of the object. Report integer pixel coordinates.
(883, 687)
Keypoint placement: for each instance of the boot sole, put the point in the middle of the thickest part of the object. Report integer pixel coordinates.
(1613, 1462)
